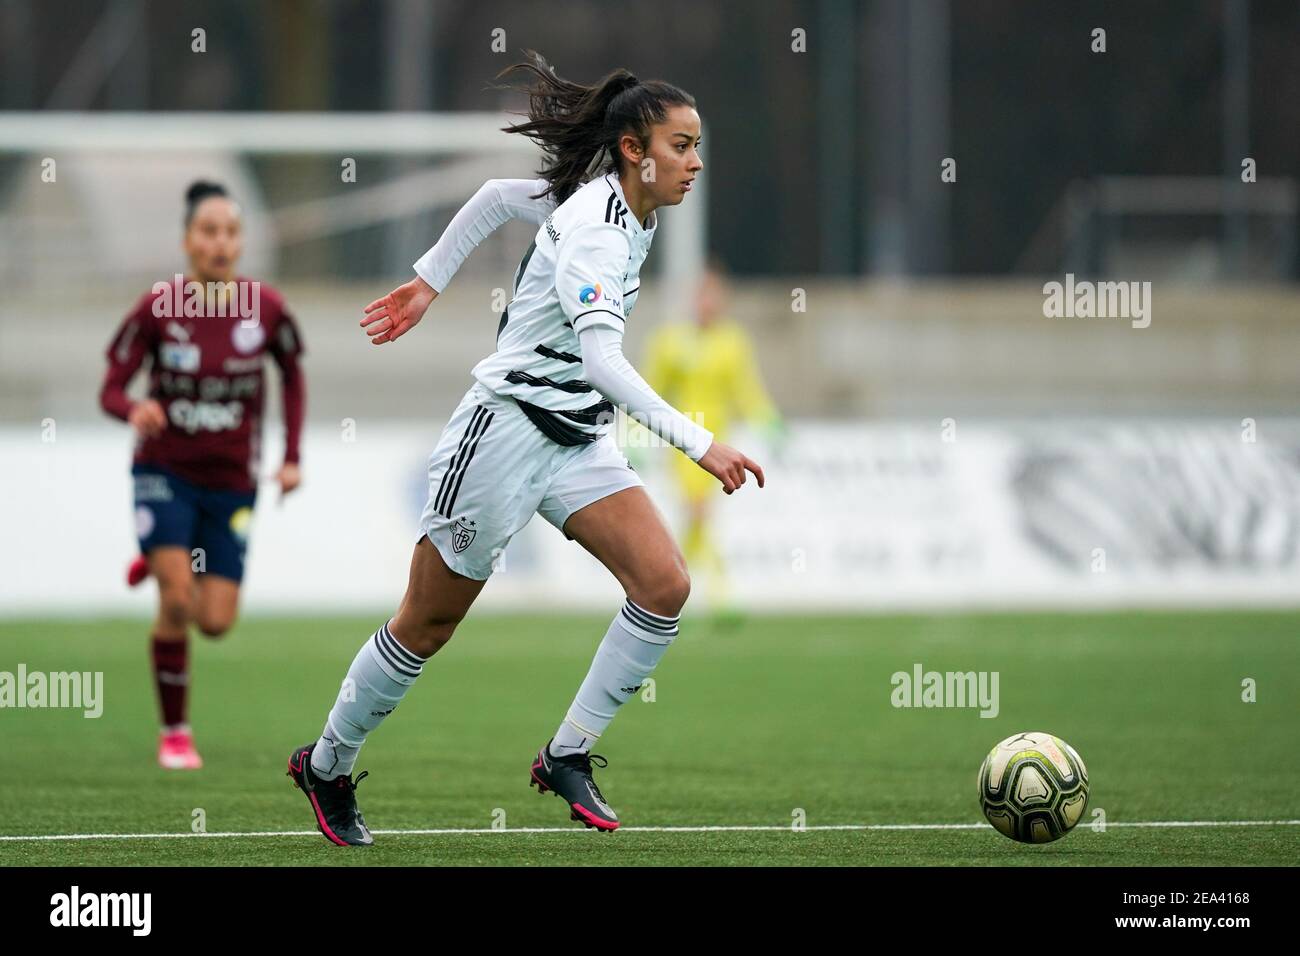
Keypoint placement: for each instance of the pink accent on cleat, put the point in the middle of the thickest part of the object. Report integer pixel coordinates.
(589, 818)
(301, 767)
(137, 571)
(176, 751)
(325, 827)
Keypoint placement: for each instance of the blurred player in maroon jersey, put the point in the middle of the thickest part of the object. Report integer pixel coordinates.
(198, 439)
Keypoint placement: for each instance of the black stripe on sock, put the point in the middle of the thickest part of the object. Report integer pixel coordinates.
(649, 622)
(392, 662)
(645, 627)
(631, 615)
(652, 615)
(395, 646)
(648, 619)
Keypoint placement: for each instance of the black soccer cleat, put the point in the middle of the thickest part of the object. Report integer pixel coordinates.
(334, 802)
(570, 778)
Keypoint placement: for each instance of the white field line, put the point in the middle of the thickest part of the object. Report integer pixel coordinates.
(457, 831)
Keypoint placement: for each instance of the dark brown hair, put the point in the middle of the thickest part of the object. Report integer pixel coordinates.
(200, 190)
(575, 125)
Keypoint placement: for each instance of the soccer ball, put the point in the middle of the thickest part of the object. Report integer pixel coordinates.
(1033, 787)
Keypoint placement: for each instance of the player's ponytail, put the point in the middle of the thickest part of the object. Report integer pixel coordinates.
(578, 127)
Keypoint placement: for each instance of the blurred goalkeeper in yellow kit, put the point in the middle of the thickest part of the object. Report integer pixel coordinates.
(707, 368)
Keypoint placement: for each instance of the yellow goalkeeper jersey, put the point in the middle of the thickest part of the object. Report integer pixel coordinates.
(709, 371)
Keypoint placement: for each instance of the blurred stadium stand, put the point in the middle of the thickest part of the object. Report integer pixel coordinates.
(924, 299)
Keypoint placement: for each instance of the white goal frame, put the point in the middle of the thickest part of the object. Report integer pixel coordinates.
(470, 136)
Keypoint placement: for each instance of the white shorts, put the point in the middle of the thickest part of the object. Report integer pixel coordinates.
(493, 469)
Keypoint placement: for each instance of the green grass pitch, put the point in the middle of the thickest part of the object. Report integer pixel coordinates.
(750, 724)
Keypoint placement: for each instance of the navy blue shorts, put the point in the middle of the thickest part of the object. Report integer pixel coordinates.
(170, 511)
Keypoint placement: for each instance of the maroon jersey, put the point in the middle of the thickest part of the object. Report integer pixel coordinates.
(206, 370)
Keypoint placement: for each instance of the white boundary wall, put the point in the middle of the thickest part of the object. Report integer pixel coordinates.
(854, 517)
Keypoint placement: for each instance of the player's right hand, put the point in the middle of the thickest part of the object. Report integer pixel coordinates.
(398, 312)
(728, 466)
(147, 418)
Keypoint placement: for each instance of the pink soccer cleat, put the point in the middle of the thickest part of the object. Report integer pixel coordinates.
(176, 751)
(137, 571)
(570, 778)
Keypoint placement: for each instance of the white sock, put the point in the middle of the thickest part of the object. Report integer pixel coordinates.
(379, 677)
(633, 645)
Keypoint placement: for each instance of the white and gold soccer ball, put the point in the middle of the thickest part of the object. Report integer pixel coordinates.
(1033, 787)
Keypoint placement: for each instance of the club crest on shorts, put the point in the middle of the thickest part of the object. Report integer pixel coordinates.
(462, 535)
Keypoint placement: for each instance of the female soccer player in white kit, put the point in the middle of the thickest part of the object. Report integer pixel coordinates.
(532, 435)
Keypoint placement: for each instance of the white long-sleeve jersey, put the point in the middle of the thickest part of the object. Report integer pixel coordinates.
(559, 343)
(496, 203)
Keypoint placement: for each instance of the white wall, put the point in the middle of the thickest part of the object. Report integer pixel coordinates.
(853, 517)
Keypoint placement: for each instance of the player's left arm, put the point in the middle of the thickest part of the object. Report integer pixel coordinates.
(589, 269)
(496, 203)
(136, 339)
(286, 350)
(608, 371)
(661, 375)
